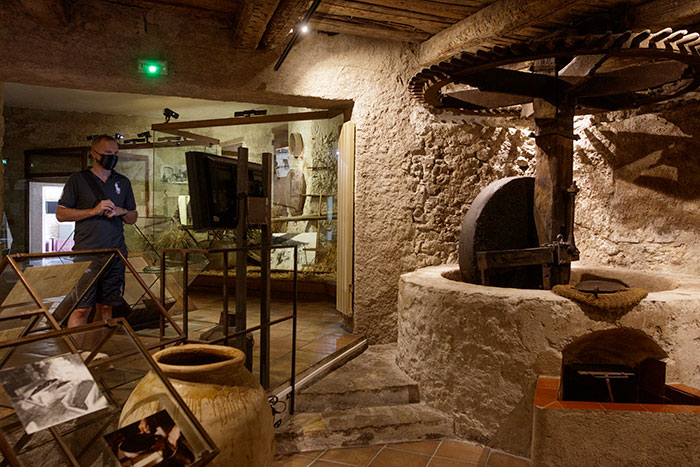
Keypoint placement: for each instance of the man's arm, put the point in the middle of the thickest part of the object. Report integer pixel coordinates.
(64, 214)
(129, 217)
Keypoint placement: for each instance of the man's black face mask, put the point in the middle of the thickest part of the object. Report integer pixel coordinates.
(108, 161)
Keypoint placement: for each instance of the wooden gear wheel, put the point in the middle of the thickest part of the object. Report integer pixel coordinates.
(592, 73)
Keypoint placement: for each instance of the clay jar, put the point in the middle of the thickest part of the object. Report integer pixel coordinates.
(222, 394)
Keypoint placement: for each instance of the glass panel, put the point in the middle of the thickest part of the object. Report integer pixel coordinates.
(56, 162)
(170, 188)
(61, 281)
(81, 396)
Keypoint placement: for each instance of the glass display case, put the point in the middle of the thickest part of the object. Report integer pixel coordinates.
(61, 407)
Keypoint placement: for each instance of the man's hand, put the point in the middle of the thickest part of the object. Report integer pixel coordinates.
(116, 211)
(104, 208)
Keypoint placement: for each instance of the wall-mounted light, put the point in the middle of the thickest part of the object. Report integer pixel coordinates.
(304, 29)
(118, 136)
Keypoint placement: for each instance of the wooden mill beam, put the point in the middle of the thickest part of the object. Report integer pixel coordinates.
(53, 12)
(252, 22)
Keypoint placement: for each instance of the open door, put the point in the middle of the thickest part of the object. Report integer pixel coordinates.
(346, 208)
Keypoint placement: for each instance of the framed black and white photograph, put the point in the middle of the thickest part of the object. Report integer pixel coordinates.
(52, 391)
(152, 441)
(176, 174)
(283, 258)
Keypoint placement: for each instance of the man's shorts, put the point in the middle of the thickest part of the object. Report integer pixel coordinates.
(108, 289)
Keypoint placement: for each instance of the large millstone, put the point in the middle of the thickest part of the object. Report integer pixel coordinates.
(501, 218)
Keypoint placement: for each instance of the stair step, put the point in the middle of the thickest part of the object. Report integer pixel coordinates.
(372, 379)
(361, 426)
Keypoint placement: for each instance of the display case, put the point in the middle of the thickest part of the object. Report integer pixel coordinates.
(61, 407)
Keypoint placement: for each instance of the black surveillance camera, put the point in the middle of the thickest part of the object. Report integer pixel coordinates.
(249, 113)
(168, 113)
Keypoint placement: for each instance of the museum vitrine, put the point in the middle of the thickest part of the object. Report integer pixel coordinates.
(61, 405)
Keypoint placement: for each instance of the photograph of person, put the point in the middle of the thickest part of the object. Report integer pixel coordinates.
(153, 441)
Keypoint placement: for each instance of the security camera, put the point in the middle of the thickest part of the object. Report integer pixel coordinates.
(168, 113)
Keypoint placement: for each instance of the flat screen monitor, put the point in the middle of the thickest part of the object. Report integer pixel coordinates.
(213, 182)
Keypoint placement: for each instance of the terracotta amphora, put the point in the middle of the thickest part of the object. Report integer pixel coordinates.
(228, 401)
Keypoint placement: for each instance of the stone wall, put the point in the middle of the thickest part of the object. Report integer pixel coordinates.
(33, 129)
(639, 175)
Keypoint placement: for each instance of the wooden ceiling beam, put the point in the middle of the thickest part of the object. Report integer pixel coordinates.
(287, 15)
(427, 23)
(252, 22)
(500, 18)
(429, 7)
(52, 12)
(367, 29)
(666, 13)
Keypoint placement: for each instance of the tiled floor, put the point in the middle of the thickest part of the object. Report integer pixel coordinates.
(432, 453)
(319, 331)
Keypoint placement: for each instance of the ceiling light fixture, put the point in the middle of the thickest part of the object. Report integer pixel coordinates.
(296, 34)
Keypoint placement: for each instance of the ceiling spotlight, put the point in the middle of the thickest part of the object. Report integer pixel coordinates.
(146, 135)
(291, 31)
(118, 136)
(304, 29)
(170, 114)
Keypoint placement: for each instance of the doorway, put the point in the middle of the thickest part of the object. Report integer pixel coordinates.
(46, 234)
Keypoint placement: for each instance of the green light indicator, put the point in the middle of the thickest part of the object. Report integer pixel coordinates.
(153, 67)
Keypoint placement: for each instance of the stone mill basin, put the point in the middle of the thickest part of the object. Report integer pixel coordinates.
(477, 351)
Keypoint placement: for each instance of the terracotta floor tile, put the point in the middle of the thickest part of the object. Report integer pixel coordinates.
(389, 457)
(548, 382)
(322, 463)
(427, 447)
(624, 407)
(311, 454)
(553, 405)
(294, 460)
(578, 405)
(501, 459)
(666, 408)
(445, 462)
(463, 451)
(354, 456)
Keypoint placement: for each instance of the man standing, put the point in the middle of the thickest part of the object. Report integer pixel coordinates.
(99, 200)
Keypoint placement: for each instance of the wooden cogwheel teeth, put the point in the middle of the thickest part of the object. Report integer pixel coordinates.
(598, 72)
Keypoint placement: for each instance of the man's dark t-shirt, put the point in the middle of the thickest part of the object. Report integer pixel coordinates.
(98, 232)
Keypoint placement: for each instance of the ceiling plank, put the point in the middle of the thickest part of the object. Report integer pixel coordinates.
(496, 20)
(53, 12)
(252, 22)
(427, 23)
(367, 29)
(287, 15)
(446, 10)
(673, 13)
(221, 6)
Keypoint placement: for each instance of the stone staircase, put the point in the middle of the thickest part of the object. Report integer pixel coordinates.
(369, 400)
